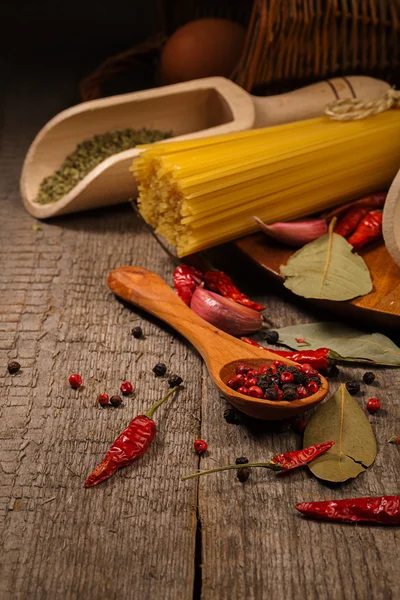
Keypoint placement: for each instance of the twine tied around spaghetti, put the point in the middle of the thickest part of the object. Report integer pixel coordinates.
(353, 109)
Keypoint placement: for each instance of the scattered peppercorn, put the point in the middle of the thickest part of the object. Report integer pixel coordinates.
(286, 377)
(174, 381)
(200, 446)
(232, 417)
(353, 387)
(301, 392)
(126, 388)
(242, 460)
(333, 371)
(116, 401)
(271, 337)
(373, 405)
(243, 474)
(103, 399)
(312, 387)
(369, 377)
(255, 391)
(137, 332)
(159, 370)
(13, 367)
(289, 393)
(75, 381)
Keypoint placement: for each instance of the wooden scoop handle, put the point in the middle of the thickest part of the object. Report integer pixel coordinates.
(310, 101)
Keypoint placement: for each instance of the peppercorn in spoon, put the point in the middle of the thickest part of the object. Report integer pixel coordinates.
(221, 352)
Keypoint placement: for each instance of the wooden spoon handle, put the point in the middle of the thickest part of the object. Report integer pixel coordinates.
(151, 293)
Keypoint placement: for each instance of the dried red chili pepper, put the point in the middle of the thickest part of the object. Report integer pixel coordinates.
(373, 201)
(130, 445)
(369, 230)
(348, 223)
(186, 280)
(318, 359)
(380, 509)
(280, 462)
(220, 282)
(292, 460)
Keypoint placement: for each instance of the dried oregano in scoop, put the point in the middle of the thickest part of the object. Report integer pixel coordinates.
(88, 154)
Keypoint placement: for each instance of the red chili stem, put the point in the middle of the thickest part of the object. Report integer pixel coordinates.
(380, 509)
(395, 439)
(153, 408)
(280, 462)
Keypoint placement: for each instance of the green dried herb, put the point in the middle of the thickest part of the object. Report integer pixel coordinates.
(88, 154)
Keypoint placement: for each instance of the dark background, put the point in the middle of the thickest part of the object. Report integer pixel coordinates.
(74, 36)
(72, 28)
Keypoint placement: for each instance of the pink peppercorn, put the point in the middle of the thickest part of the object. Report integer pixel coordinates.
(255, 392)
(373, 405)
(126, 388)
(75, 381)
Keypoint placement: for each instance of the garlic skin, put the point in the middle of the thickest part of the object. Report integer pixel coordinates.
(296, 233)
(224, 313)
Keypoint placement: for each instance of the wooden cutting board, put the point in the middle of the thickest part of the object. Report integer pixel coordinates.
(381, 306)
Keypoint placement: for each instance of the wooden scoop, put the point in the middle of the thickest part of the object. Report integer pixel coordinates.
(194, 109)
(220, 351)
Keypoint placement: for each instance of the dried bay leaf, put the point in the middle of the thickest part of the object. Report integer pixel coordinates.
(327, 269)
(342, 420)
(348, 343)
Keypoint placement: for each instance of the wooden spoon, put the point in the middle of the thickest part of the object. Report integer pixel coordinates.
(220, 351)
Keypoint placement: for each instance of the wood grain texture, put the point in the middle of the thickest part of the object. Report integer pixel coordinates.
(134, 536)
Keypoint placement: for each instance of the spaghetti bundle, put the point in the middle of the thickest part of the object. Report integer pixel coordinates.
(203, 192)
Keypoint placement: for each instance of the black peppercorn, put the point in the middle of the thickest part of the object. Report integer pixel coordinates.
(271, 337)
(160, 369)
(243, 474)
(174, 381)
(242, 460)
(232, 417)
(116, 400)
(137, 332)
(368, 377)
(13, 367)
(333, 371)
(289, 393)
(353, 387)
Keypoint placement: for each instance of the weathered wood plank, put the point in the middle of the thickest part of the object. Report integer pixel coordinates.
(134, 535)
(255, 545)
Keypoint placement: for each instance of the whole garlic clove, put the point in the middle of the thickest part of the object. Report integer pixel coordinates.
(224, 313)
(296, 233)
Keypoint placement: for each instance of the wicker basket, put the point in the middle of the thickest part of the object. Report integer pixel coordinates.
(288, 43)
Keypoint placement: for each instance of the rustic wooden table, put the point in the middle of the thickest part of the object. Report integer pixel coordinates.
(145, 534)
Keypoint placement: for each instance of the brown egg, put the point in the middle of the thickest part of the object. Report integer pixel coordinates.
(202, 48)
